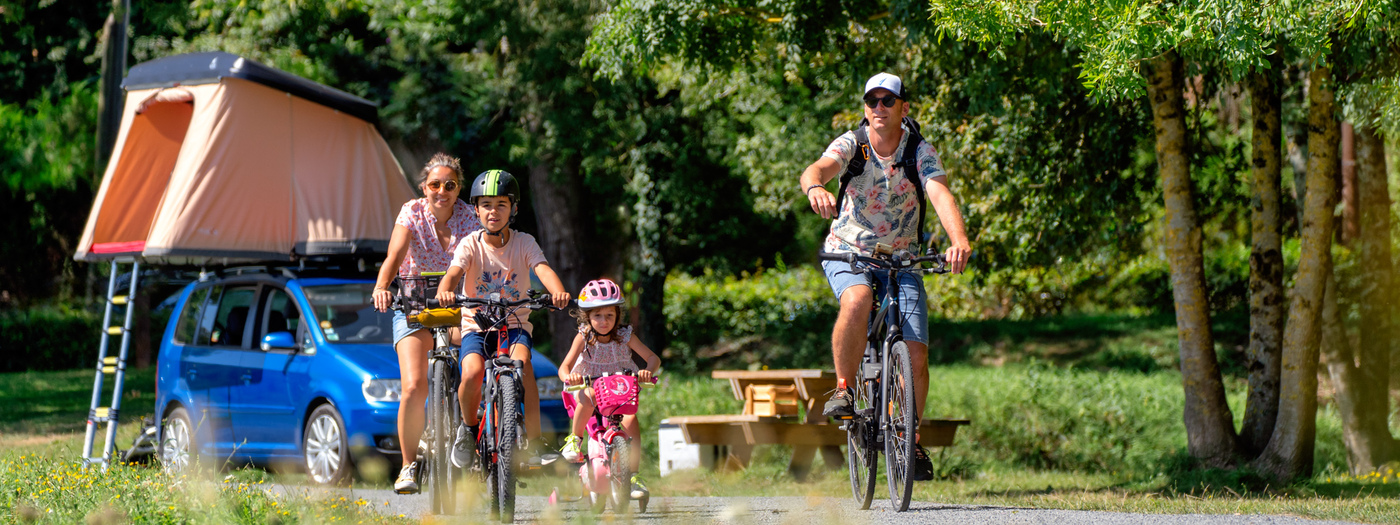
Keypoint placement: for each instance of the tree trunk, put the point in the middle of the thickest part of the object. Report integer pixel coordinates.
(648, 265)
(113, 97)
(1289, 454)
(1210, 431)
(1266, 292)
(1361, 376)
(561, 237)
(1347, 230)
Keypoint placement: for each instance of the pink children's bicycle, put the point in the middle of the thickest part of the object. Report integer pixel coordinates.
(607, 473)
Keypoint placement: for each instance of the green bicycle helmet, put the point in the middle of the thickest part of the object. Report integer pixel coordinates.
(495, 183)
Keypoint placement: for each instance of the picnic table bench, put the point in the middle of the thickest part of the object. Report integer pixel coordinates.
(783, 407)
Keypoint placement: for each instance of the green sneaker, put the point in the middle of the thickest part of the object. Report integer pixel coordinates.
(573, 449)
(639, 489)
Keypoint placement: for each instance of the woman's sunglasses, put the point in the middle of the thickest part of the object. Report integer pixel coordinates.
(887, 100)
(442, 185)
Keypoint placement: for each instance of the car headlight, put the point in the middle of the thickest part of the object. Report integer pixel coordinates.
(549, 387)
(381, 390)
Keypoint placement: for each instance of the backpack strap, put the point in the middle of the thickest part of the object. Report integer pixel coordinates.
(910, 162)
(857, 164)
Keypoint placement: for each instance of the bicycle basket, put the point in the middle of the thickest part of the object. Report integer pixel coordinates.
(415, 292)
(616, 395)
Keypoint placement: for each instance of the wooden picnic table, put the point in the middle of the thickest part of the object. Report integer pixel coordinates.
(806, 431)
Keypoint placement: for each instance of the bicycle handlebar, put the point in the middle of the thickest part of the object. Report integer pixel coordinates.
(535, 302)
(588, 380)
(897, 261)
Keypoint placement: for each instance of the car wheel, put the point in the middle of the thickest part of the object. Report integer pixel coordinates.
(177, 448)
(325, 448)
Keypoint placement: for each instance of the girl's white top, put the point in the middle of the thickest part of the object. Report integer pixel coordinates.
(605, 358)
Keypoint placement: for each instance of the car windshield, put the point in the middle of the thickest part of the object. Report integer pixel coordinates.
(344, 314)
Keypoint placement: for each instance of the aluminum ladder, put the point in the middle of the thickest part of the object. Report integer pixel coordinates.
(113, 365)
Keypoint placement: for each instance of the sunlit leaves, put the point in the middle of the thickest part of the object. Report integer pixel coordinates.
(1116, 36)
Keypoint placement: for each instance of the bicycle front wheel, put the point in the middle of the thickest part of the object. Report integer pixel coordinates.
(621, 473)
(507, 422)
(442, 494)
(901, 423)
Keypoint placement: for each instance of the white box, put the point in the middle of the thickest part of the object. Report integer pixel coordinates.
(676, 454)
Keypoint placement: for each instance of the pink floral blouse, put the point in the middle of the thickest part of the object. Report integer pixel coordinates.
(424, 252)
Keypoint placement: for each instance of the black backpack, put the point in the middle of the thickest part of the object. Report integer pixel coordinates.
(908, 161)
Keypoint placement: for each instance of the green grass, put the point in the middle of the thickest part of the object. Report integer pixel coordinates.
(1056, 424)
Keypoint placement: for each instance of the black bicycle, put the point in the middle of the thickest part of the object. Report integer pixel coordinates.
(884, 412)
(444, 411)
(501, 413)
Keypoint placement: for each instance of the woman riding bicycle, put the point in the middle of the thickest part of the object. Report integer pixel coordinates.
(426, 233)
(880, 205)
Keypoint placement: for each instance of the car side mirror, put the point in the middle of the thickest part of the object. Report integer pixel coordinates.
(278, 340)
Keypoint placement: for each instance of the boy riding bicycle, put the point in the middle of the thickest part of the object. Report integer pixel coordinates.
(496, 260)
(880, 203)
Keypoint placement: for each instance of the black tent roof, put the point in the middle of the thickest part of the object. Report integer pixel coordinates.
(209, 67)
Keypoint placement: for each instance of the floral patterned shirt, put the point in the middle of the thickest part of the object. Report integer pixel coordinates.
(425, 254)
(880, 205)
(605, 358)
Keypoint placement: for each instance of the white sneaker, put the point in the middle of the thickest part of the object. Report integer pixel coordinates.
(408, 479)
(573, 449)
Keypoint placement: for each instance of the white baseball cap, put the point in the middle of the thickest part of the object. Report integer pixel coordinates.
(887, 81)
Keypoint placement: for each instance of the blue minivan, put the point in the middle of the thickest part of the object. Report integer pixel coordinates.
(276, 367)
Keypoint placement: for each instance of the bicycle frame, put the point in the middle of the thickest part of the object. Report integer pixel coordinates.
(500, 364)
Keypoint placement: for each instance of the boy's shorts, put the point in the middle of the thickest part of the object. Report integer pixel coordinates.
(475, 342)
(913, 303)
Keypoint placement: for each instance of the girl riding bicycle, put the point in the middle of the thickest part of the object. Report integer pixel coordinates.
(604, 345)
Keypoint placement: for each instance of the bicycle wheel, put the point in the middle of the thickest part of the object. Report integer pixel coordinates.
(900, 425)
(508, 408)
(442, 497)
(620, 473)
(861, 456)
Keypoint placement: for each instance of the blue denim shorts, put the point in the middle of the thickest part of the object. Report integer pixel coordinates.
(913, 302)
(401, 329)
(475, 342)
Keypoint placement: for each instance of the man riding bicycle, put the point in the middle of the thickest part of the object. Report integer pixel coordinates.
(880, 204)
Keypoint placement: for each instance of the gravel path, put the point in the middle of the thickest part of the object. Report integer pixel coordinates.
(809, 511)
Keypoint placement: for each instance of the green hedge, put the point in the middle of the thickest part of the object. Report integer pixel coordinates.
(48, 338)
(781, 319)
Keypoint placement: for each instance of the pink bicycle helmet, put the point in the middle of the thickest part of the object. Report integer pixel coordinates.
(600, 292)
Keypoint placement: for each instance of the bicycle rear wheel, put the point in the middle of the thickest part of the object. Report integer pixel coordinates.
(861, 456)
(441, 491)
(508, 410)
(900, 425)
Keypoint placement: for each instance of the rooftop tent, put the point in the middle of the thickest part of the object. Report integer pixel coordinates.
(222, 159)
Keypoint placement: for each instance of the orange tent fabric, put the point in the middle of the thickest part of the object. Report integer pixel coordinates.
(237, 170)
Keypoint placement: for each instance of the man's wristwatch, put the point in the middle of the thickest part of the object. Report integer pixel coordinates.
(808, 191)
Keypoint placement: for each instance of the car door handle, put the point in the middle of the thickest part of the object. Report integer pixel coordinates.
(192, 373)
(247, 378)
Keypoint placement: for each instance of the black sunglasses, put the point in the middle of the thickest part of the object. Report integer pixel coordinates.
(887, 100)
